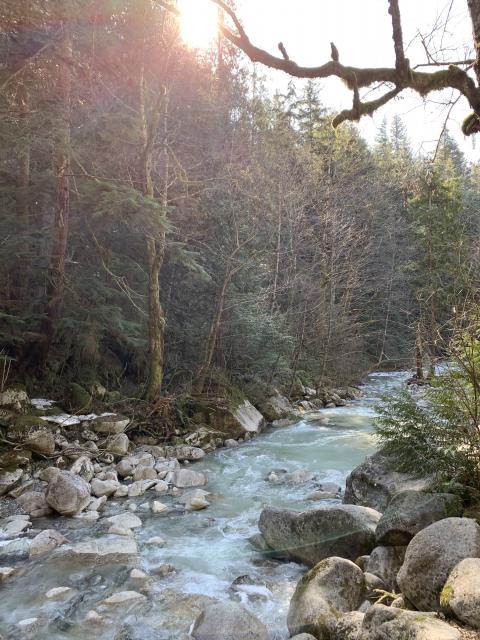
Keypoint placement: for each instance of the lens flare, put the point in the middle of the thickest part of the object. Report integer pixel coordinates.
(198, 22)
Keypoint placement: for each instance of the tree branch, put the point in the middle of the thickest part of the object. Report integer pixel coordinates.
(401, 77)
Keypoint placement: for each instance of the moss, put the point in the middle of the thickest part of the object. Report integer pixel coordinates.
(78, 399)
(445, 596)
(28, 421)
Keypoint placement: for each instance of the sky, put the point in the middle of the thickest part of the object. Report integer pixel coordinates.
(361, 30)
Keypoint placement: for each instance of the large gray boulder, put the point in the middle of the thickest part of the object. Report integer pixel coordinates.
(385, 562)
(411, 511)
(349, 626)
(334, 586)
(46, 541)
(228, 621)
(185, 452)
(375, 482)
(310, 536)
(248, 418)
(432, 554)
(390, 623)
(461, 593)
(67, 493)
(34, 503)
(277, 407)
(108, 550)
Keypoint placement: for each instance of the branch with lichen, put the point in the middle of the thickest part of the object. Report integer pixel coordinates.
(401, 77)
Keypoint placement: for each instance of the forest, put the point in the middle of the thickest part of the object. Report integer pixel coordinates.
(166, 221)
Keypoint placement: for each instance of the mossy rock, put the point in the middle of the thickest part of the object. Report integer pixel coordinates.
(78, 398)
(11, 460)
(473, 512)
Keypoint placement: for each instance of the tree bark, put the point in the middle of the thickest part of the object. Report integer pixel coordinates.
(56, 271)
(474, 8)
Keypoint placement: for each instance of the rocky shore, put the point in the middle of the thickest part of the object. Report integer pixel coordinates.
(396, 560)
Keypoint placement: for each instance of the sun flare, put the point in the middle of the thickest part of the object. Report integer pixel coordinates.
(198, 22)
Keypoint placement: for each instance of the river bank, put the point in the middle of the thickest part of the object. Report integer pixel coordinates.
(163, 568)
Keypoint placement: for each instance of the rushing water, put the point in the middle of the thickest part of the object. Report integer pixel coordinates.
(209, 549)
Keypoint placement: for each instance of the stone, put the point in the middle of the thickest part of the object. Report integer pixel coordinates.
(83, 467)
(34, 503)
(102, 550)
(125, 467)
(385, 562)
(125, 520)
(48, 473)
(382, 623)
(87, 516)
(322, 495)
(228, 621)
(230, 442)
(158, 507)
(303, 636)
(121, 492)
(46, 541)
(136, 489)
(15, 548)
(104, 487)
(97, 504)
(30, 625)
(9, 480)
(411, 511)
(195, 500)
(184, 478)
(12, 527)
(461, 593)
(15, 398)
(59, 593)
(277, 407)
(334, 586)
(372, 584)
(249, 419)
(68, 493)
(93, 617)
(349, 626)
(156, 541)
(144, 473)
(163, 570)
(375, 482)
(136, 574)
(40, 441)
(118, 445)
(123, 598)
(6, 573)
(310, 536)
(185, 452)
(430, 557)
(161, 486)
(110, 424)
(120, 531)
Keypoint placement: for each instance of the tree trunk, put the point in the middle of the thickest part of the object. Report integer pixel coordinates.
(418, 354)
(56, 271)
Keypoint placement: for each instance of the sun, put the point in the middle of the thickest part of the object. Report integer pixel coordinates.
(198, 22)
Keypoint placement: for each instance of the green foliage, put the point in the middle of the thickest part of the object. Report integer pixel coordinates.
(436, 432)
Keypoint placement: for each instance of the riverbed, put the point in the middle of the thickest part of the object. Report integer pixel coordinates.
(209, 549)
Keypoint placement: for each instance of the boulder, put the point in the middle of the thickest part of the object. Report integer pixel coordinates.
(68, 493)
(9, 480)
(334, 586)
(228, 621)
(249, 419)
(144, 473)
(83, 467)
(195, 500)
(349, 626)
(34, 435)
(385, 562)
(185, 452)
(277, 407)
(34, 503)
(6, 573)
(382, 623)
(123, 598)
(46, 541)
(184, 478)
(461, 593)
(104, 487)
(13, 526)
(125, 467)
(109, 549)
(432, 554)
(375, 482)
(110, 424)
(118, 445)
(125, 520)
(411, 511)
(310, 536)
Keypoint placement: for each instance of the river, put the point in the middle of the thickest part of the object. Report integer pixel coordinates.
(209, 549)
